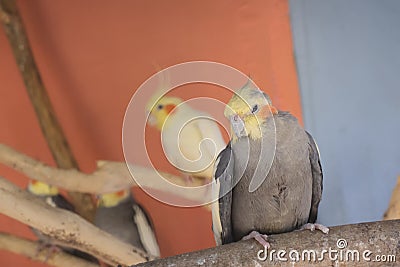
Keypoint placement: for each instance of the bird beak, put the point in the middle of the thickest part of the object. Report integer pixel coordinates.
(151, 120)
(97, 201)
(238, 125)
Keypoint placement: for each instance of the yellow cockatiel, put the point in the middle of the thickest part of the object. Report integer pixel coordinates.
(191, 138)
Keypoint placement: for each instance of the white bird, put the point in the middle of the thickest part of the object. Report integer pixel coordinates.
(191, 138)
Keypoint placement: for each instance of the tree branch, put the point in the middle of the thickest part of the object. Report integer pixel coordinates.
(46, 115)
(67, 228)
(30, 248)
(109, 176)
(393, 211)
(381, 238)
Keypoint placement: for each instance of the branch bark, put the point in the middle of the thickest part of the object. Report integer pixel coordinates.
(67, 228)
(393, 211)
(378, 237)
(46, 115)
(109, 176)
(29, 248)
(381, 238)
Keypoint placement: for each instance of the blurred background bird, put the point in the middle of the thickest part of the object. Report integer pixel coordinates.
(276, 166)
(120, 215)
(52, 197)
(191, 138)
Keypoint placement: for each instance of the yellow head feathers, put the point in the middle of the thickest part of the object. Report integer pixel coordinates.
(42, 189)
(160, 108)
(109, 200)
(247, 110)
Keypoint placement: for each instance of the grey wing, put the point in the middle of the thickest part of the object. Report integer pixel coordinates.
(61, 202)
(317, 177)
(221, 209)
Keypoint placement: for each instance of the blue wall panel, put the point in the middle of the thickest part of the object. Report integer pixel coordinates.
(348, 60)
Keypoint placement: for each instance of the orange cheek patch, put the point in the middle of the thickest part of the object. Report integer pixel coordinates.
(265, 111)
(274, 110)
(120, 193)
(170, 108)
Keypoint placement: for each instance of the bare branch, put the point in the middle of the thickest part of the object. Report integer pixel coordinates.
(109, 176)
(393, 211)
(380, 238)
(29, 249)
(45, 113)
(66, 227)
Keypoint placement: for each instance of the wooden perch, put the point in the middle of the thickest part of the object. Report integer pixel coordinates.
(46, 115)
(29, 248)
(67, 228)
(369, 239)
(393, 211)
(109, 176)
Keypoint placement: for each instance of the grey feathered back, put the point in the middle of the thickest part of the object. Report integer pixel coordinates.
(129, 222)
(118, 221)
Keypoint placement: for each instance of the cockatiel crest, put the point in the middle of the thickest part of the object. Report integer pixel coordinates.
(159, 106)
(247, 109)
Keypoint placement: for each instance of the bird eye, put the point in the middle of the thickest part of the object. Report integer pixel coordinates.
(255, 109)
(160, 107)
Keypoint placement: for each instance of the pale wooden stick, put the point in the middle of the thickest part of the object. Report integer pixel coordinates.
(110, 176)
(393, 211)
(29, 248)
(67, 228)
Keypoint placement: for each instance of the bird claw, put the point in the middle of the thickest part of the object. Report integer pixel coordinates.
(260, 238)
(188, 179)
(317, 226)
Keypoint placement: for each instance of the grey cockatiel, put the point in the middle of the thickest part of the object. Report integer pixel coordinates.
(120, 215)
(273, 166)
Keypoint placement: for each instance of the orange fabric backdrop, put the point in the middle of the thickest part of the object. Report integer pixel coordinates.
(93, 56)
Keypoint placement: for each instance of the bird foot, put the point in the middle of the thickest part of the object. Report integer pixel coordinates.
(313, 226)
(260, 238)
(188, 179)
